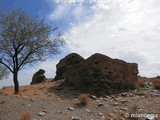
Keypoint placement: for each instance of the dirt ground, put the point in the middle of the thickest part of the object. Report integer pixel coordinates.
(47, 101)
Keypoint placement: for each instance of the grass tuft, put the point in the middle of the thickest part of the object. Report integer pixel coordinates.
(26, 116)
(84, 99)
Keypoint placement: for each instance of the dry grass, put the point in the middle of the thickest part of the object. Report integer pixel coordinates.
(26, 116)
(84, 99)
(156, 84)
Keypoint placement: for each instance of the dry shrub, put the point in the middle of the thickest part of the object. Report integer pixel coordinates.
(156, 84)
(26, 116)
(84, 99)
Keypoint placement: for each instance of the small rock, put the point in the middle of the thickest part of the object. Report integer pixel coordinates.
(41, 114)
(101, 99)
(115, 103)
(124, 94)
(75, 118)
(33, 100)
(60, 112)
(93, 97)
(70, 108)
(123, 101)
(130, 95)
(87, 110)
(124, 109)
(100, 114)
(28, 105)
(100, 105)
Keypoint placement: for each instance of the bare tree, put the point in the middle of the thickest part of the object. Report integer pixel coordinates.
(3, 72)
(25, 40)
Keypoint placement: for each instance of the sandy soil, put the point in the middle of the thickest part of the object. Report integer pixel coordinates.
(57, 103)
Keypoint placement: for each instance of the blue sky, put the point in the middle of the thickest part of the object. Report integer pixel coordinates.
(124, 29)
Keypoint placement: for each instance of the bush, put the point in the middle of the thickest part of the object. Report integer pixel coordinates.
(156, 84)
(26, 116)
(84, 99)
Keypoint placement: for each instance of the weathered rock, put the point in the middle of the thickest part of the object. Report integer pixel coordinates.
(70, 60)
(100, 114)
(93, 97)
(38, 77)
(98, 74)
(75, 118)
(41, 114)
(70, 108)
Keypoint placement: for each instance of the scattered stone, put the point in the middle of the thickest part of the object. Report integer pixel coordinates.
(33, 100)
(130, 95)
(60, 112)
(28, 105)
(93, 97)
(101, 99)
(115, 103)
(100, 114)
(124, 94)
(75, 118)
(87, 110)
(123, 101)
(70, 108)
(41, 114)
(107, 97)
(100, 105)
(124, 109)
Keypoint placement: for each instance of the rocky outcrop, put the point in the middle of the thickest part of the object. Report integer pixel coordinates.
(69, 60)
(98, 74)
(38, 77)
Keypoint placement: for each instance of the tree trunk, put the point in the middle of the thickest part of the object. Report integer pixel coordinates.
(16, 83)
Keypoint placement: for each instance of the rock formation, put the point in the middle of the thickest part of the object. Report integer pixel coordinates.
(97, 74)
(38, 77)
(69, 60)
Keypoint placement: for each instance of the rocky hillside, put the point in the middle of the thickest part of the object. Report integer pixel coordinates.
(51, 101)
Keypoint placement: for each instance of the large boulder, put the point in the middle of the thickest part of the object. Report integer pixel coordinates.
(69, 60)
(99, 74)
(38, 77)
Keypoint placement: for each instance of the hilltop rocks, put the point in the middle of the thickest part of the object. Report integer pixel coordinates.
(98, 74)
(38, 77)
(69, 60)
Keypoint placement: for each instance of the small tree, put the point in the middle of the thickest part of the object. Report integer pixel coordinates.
(25, 40)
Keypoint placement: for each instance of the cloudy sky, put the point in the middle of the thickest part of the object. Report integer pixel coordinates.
(124, 29)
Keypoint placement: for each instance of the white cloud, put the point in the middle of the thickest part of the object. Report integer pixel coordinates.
(125, 29)
(59, 12)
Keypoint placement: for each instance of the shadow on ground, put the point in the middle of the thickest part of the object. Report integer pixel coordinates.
(64, 92)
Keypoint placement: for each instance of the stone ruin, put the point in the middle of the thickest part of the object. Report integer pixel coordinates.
(98, 74)
(38, 77)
